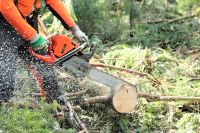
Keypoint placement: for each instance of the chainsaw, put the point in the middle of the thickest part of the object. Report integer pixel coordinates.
(66, 53)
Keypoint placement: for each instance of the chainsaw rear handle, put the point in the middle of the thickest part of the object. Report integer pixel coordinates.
(51, 57)
(84, 45)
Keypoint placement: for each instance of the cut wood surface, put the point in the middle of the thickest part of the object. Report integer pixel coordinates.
(124, 98)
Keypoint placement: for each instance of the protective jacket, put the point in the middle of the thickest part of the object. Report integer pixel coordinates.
(15, 12)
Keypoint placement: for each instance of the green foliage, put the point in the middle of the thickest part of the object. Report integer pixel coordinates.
(51, 22)
(162, 29)
(168, 72)
(187, 6)
(189, 123)
(101, 18)
(166, 34)
(87, 13)
(160, 63)
(14, 119)
(27, 118)
(173, 71)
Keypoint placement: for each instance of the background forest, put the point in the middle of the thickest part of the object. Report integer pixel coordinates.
(157, 37)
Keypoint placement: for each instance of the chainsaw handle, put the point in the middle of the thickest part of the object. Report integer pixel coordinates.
(50, 58)
(83, 45)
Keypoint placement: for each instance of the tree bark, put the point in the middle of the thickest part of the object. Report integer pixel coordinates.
(134, 13)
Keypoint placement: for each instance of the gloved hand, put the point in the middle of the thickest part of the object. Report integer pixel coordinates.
(79, 34)
(39, 45)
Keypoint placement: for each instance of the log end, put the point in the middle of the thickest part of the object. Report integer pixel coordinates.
(125, 98)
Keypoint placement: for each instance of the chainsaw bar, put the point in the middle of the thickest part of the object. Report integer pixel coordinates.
(80, 67)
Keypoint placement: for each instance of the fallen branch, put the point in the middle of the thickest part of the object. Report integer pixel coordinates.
(113, 59)
(181, 18)
(76, 93)
(81, 124)
(152, 78)
(74, 119)
(169, 21)
(43, 26)
(120, 69)
(98, 99)
(149, 97)
(192, 52)
(195, 79)
(153, 98)
(110, 44)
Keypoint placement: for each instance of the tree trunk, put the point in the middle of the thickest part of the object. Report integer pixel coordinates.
(166, 4)
(134, 14)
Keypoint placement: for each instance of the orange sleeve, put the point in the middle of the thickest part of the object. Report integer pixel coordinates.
(14, 18)
(58, 9)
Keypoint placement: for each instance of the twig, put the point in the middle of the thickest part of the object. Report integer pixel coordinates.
(149, 97)
(152, 78)
(113, 59)
(98, 99)
(181, 18)
(109, 44)
(153, 98)
(171, 20)
(120, 69)
(195, 79)
(71, 111)
(191, 52)
(77, 108)
(81, 124)
(31, 106)
(32, 94)
(73, 115)
(50, 36)
(76, 93)
(43, 26)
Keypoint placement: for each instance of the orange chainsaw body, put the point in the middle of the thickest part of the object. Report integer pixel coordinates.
(62, 44)
(59, 46)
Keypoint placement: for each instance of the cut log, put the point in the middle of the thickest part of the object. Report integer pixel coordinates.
(123, 97)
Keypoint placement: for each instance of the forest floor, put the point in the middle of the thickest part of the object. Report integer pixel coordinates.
(172, 72)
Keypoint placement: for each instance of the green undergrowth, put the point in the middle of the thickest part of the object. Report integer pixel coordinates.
(168, 73)
(24, 117)
(171, 72)
(19, 120)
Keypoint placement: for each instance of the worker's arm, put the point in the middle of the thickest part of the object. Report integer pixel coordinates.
(58, 9)
(15, 19)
